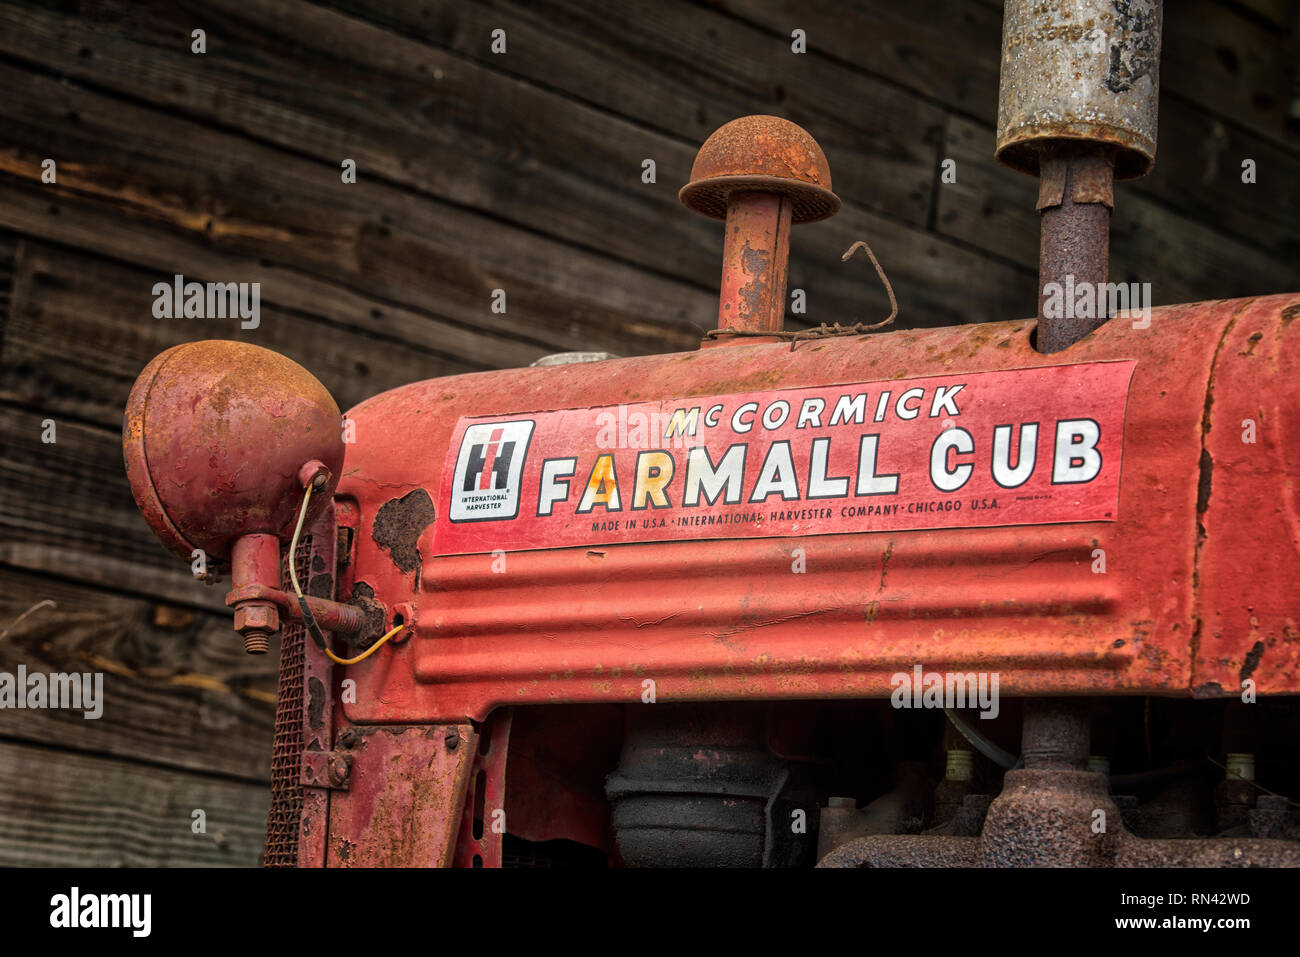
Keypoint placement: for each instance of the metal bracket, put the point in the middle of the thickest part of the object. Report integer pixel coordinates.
(326, 769)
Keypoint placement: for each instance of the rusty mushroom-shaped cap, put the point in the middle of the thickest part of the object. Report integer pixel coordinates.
(761, 154)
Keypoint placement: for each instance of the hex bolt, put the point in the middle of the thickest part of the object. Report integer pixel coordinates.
(257, 643)
(255, 622)
(339, 770)
(452, 740)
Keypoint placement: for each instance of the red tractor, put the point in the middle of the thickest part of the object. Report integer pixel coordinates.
(998, 592)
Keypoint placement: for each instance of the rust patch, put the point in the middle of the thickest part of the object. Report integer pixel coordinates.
(363, 597)
(399, 524)
(315, 703)
(871, 611)
(1204, 483)
(885, 556)
(1136, 51)
(1252, 660)
(1290, 312)
(755, 262)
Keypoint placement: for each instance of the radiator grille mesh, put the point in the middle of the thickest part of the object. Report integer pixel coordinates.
(286, 758)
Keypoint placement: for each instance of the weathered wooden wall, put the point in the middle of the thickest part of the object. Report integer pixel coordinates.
(476, 171)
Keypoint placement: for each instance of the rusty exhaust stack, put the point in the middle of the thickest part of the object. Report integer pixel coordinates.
(1077, 108)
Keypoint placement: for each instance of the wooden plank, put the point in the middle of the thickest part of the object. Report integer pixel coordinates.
(99, 227)
(948, 51)
(121, 166)
(61, 809)
(686, 69)
(641, 213)
(1198, 174)
(81, 329)
(171, 582)
(178, 688)
(405, 112)
(671, 24)
(67, 510)
(9, 246)
(1183, 260)
(952, 55)
(575, 299)
(1279, 13)
(1231, 65)
(1227, 63)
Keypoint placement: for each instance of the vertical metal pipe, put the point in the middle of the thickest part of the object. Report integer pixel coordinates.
(1055, 734)
(1074, 244)
(755, 254)
(255, 560)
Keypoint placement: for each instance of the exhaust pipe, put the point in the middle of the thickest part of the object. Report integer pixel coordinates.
(1077, 108)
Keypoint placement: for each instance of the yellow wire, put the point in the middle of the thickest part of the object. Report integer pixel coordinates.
(293, 576)
(365, 654)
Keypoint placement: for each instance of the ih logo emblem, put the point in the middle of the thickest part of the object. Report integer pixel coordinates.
(488, 471)
(489, 466)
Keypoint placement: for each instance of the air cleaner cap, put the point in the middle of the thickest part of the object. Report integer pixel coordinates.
(214, 436)
(1082, 71)
(761, 154)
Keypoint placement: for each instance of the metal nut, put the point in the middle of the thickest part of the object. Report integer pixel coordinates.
(257, 617)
